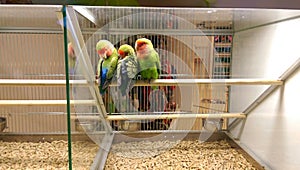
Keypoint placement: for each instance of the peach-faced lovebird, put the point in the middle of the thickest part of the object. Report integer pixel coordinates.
(148, 59)
(107, 63)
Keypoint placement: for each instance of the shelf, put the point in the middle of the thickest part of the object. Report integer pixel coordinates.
(223, 54)
(222, 44)
(219, 64)
(221, 70)
(227, 76)
(211, 101)
(222, 60)
(222, 50)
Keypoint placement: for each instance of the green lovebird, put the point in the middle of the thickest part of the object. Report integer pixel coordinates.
(107, 64)
(149, 62)
(127, 69)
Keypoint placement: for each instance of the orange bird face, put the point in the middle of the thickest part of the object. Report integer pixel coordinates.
(141, 49)
(122, 54)
(141, 45)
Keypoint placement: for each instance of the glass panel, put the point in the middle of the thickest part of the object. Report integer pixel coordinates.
(32, 56)
(192, 45)
(89, 110)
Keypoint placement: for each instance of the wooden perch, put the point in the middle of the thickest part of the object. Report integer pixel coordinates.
(171, 82)
(158, 82)
(163, 116)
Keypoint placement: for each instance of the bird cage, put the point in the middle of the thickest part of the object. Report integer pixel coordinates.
(186, 50)
(205, 90)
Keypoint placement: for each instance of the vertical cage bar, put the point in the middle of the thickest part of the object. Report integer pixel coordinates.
(67, 85)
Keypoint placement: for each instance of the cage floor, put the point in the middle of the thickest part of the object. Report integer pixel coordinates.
(46, 155)
(190, 154)
(129, 151)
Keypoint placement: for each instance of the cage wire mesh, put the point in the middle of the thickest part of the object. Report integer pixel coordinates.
(27, 54)
(188, 44)
(185, 40)
(192, 43)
